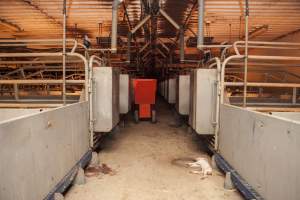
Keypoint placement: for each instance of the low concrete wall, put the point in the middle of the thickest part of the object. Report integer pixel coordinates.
(10, 113)
(38, 150)
(263, 149)
(289, 115)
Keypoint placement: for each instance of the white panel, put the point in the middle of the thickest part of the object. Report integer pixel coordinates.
(183, 94)
(172, 91)
(6, 114)
(263, 149)
(289, 115)
(203, 100)
(106, 99)
(124, 94)
(37, 151)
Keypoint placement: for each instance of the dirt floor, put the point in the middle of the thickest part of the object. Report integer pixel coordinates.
(141, 156)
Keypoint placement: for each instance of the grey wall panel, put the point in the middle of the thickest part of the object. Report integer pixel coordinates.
(106, 98)
(6, 114)
(183, 94)
(289, 115)
(264, 150)
(171, 91)
(124, 94)
(37, 151)
(203, 100)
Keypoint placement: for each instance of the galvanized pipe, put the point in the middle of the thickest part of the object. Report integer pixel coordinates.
(246, 53)
(140, 24)
(181, 42)
(201, 10)
(169, 19)
(114, 31)
(250, 57)
(64, 50)
(23, 55)
(217, 62)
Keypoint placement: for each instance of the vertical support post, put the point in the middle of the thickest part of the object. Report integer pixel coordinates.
(114, 31)
(129, 47)
(294, 96)
(246, 52)
(64, 49)
(181, 41)
(16, 90)
(200, 39)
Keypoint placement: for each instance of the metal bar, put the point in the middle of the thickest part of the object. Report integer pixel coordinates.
(246, 53)
(201, 9)
(140, 24)
(86, 65)
(16, 91)
(43, 81)
(114, 31)
(294, 96)
(169, 19)
(181, 42)
(262, 84)
(64, 50)
(227, 60)
(144, 47)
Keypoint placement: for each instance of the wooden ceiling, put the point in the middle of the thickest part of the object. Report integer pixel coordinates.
(270, 20)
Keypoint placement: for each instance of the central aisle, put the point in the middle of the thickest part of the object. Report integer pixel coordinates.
(141, 155)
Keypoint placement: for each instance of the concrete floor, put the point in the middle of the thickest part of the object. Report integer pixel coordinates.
(141, 155)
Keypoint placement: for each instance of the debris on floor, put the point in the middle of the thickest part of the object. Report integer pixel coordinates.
(201, 166)
(198, 165)
(94, 171)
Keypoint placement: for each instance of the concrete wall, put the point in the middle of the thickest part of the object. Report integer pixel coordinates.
(264, 150)
(37, 151)
(289, 115)
(6, 114)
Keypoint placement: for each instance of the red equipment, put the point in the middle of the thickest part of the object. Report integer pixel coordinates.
(144, 99)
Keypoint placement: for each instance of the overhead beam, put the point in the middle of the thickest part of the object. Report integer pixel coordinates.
(287, 34)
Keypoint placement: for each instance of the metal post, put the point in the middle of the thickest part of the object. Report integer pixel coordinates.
(246, 53)
(294, 95)
(16, 89)
(64, 49)
(129, 47)
(114, 31)
(181, 41)
(200, 39)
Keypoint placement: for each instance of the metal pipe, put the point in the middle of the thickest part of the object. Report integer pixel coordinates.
(250, 57)
(114, 31)
(169, 19)
(129, 47)
(294, 96)
(255, 44)
(144, 47)
(201, 10)
(264, 84)
(11, 55)
(37, 81)
(64, 50)
(140, 24)
(246, 53)
(181, 42)
(217, 120)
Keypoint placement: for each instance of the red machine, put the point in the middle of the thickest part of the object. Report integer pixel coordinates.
(144, 91)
